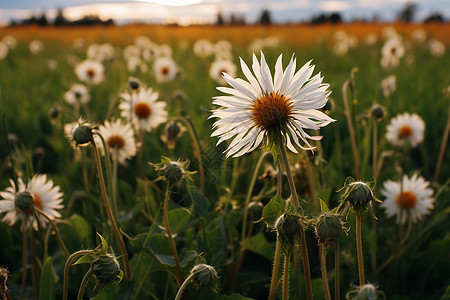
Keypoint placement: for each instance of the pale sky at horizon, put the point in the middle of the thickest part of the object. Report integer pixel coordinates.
(205, 11)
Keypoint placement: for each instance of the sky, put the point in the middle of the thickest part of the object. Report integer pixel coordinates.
(185, 12)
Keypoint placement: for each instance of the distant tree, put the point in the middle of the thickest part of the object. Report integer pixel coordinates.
(60, 19)
(237, 19)
(434, 17)
(407, 13)
(335, 18)
(265, 18)
(42, 20)
(219, 20)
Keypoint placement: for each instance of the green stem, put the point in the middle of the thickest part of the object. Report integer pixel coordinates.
(310, 178)
(84, 283)
(337, 270)
(56, 229)
(308, 282)
(198, 152)
(323, 269)
(179, 276)
(442, 149)
(359, 248)
(183, 287)
(286, 276)
(110, 214)
(114, 183)
(276, 267)
(351, 130)
(69, 261)
(24, 261)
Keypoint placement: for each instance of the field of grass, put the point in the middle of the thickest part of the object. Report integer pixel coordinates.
(405, 261)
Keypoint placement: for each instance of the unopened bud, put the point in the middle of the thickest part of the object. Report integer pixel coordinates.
(106, 269)
(205, 276)
(82, 135)
(359, 195)
(289, 229)
(328, 227)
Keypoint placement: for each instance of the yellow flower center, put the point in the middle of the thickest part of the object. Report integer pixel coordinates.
(142, 110)
(406, 200)
(90, 73)
(165, 70)
(272, 110)
(405, 131)
(116, 141)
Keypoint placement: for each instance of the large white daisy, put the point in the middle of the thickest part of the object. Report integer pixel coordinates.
(90, 72)
(410, 199)
(143, 109)
(46, 196)
(406, 128)
(118, 136)
(263, 110)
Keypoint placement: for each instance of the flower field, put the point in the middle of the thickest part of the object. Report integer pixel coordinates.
(229, 162)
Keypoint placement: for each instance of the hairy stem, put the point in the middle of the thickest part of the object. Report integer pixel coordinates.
(351, 130)
(323, 269)
(276, 267)
(69, 261)
(183, 287)
(359, 248)
(286, 276)
(337, 270)
(84, 283)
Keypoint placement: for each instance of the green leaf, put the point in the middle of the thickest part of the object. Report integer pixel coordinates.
(85, 259)
(104, 245)
(323, 207)
(178, 218)
(47, 285)
(157, 246)
(273, 210)
(259, 244)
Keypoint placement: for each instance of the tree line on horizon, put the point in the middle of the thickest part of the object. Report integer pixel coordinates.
(406, 14)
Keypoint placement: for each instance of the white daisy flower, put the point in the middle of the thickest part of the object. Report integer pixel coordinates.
(389, 62)
(45, 195)
(118, 136)
(419, 35)
(410, 199)
(165, 50)
(131, 51)
(393, 47)
(164, 69)
(203, 48)
(100, 52)
(90, 71)
(78, 93)
(151, 51)
(406, 128)
(10, 41)
(143, 109)
(437, 48)
(219, 67)
(36, 47)
(263, 110)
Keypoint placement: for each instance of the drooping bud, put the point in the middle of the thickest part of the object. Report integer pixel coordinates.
(365, 292)
(289, 231)
(255, 210)
(106, 269)
(378, 112)
(172, 132)
(205, 276)
(82, 135)
(328, 227)
(172, 171)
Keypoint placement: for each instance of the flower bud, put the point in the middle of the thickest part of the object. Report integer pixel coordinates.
(134, 85)
(328, 227)
(172, 171)
(365, 292)
(359, 195)
(53, 113)
(106, 269)
(289, 231)
(205, 276)
(24, 201)
(172, 132)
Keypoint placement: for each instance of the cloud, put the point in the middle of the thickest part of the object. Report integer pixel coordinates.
(334, 5)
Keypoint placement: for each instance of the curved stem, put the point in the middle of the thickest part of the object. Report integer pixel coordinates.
(323, 269)
(57, 233)
(276, 266)
(442, 149)
(183, 287)
(198, 151)
(110, 214)
(337, 270)
(286, 276)
(69, 261)
(308, 282)
(169, 236)
(114, 183)
(359, 248)
(84, 283)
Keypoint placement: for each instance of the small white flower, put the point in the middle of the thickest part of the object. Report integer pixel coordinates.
(10, 41)
(393, 47)
(203, 48)
(78, 93)
(90, 72)
(119, 139)
(219, 67)
(36, 47)
(3, 50)
(437, 48)
(164, 69)
(266, 109)
(143, 109)
(388, 85)
(419, 35)
(411, 199)
(46, 196)
(406, 128)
